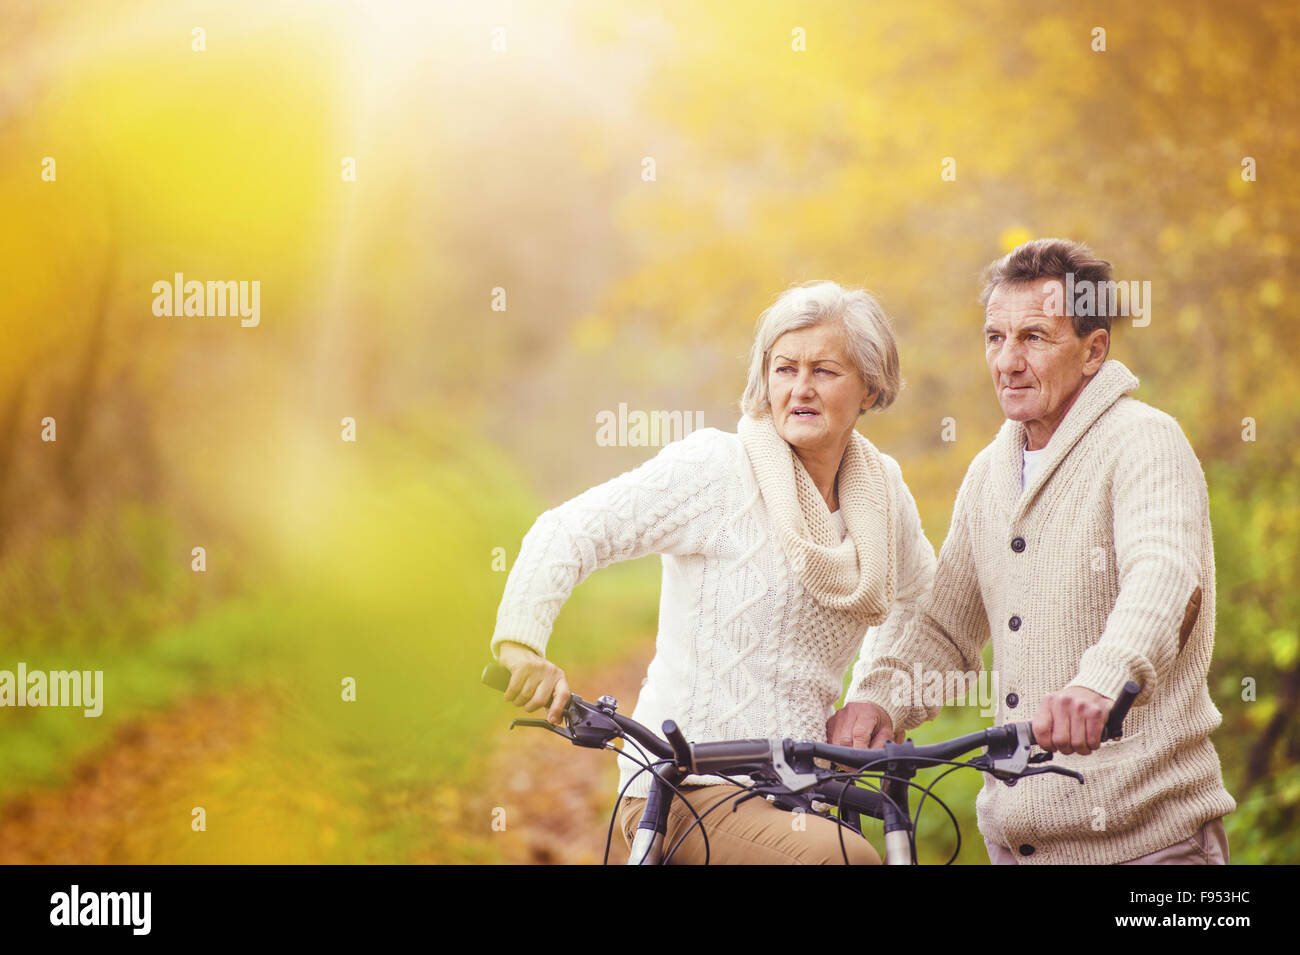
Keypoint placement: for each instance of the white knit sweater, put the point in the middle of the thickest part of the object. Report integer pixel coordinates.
(743, 650)
(1089, 577)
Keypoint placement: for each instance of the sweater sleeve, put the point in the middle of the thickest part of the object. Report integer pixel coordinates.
(668, 505)
(1160, 504)
(945, 633)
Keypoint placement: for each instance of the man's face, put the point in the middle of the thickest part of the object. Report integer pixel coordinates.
(1038, 364)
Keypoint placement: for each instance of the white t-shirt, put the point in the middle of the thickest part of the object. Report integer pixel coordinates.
(1032, 459)
(839, 524)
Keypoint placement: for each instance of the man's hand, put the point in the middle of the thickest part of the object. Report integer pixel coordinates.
(862, 726)
(534, 681)
(1071, 721)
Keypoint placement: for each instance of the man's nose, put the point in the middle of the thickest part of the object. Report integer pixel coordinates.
(1011, 359)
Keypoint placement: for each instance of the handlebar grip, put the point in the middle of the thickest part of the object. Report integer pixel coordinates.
(681, 748)
(496, 676)
(730, 756)
(1115, 722)
(845, 795)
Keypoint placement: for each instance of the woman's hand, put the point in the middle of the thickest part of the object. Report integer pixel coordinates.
(534, 681)
(862, 726)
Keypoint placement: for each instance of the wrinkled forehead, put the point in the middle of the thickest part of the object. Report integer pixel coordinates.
(822, 341)
(1036, 300)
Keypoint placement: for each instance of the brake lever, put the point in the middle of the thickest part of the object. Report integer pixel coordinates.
(586, 724)
(1011, 770)
(780, 797)
(1007, 758)
(544, 725)
(1059, 770)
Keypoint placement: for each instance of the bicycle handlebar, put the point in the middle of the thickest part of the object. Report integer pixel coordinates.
(1007, 732)
(1114, 728)
(785, 770)
(735, 756)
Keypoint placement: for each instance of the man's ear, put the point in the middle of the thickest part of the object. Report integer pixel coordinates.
(1098, 349)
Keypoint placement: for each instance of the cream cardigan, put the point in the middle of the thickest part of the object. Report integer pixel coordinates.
(744, 650)
(1089, 578)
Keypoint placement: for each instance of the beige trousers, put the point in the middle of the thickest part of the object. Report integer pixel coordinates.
(756, 833)
(1208, 847)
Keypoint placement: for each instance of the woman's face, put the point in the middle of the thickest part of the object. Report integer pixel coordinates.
(814, 389)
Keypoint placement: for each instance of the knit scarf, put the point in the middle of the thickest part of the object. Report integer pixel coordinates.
(856, 574)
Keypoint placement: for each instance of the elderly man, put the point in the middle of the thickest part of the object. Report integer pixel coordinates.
(1080, 544)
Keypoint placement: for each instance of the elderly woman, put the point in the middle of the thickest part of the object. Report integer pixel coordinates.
(781, 545)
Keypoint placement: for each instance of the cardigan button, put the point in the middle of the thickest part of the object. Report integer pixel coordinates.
(1018, 545)
(1013, 700)
(1014, 623)
(1026, 850)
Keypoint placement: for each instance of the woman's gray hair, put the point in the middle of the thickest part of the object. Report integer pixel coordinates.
(868, 339)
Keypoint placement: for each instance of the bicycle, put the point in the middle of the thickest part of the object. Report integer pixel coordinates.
(785, 771)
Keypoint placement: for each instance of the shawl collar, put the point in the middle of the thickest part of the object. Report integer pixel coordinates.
(1112, 382)
(857, 574)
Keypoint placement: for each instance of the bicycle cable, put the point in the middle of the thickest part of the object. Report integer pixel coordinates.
(839, 808)
(680, 795)
(644, 764)
(613, 816)
(926, 794)
(699, 821)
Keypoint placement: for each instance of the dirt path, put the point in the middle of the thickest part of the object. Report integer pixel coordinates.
(126, 802)
(109, 812)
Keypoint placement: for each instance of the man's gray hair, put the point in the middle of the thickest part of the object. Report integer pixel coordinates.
(1053, 259)
(867, 334)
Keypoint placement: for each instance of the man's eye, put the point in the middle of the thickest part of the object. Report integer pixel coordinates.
(994, 338)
